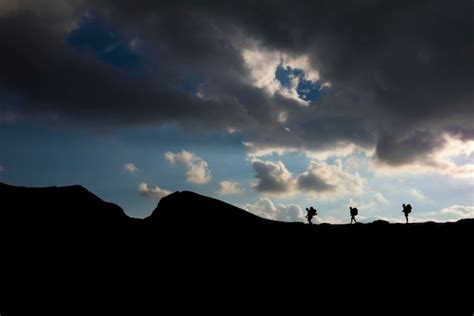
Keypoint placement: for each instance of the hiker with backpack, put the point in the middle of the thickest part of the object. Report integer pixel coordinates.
(311, 213)
(406, 210)
(354, 213)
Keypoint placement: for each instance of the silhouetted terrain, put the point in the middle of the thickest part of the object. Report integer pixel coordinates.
(56, 206)
(190, 209)
(67, 236)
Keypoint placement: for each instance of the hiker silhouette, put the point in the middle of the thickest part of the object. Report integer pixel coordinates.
(311, 213)
(406, 210)
(354, 213)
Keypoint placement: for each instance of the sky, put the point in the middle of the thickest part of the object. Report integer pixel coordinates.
(272, 106)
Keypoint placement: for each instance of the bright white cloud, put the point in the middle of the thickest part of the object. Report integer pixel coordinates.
(338, 150)
(267, 209)
(262, 65)
(152, 193)
(130, 168)
(197, 168)
(229, 188)
(198, 173)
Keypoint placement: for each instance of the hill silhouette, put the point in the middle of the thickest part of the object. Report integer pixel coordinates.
(199, 240)
(54, 207)
(191, 209)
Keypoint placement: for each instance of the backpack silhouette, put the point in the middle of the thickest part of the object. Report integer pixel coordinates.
(354, 211)
(407, 208)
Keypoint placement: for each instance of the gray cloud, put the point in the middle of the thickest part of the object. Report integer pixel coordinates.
(327, 179)
(320, 178)
(412, 147)
(42, 75)
(272, 177)
(401, 72)
(313, 182)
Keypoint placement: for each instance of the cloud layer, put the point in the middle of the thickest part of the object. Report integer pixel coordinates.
(272, 177)
(459, 211)
(400, 73)
(320, 178)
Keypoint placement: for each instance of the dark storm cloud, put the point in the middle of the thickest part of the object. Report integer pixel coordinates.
(402, 72)
(42, 74)
(411, 148)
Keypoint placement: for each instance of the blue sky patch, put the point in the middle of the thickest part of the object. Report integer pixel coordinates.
(307, 90)
(107, 45)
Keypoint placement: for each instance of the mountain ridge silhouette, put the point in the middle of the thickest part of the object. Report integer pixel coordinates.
(194, 240)
(187, 208)
(187, 201)
(74, 204)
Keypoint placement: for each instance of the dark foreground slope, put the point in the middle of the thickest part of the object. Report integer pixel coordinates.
(67, 238)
